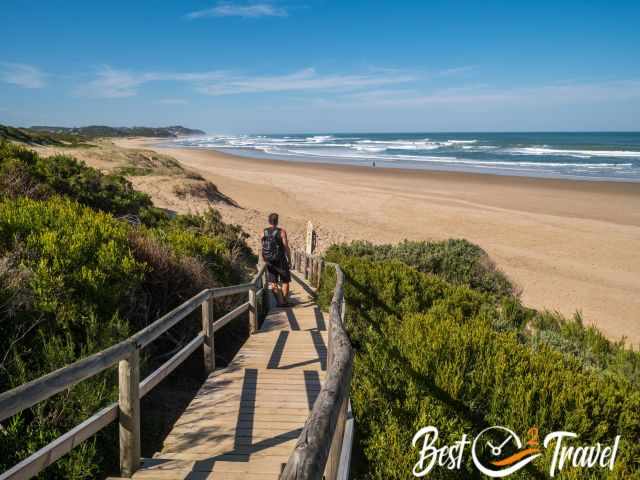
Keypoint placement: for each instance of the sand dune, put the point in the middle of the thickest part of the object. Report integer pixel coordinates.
(569, 245)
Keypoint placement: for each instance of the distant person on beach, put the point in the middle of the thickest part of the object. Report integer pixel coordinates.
(373, 164)
(276, 254)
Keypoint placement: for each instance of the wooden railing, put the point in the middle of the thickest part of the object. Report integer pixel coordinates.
(130, 389)
(324, 446)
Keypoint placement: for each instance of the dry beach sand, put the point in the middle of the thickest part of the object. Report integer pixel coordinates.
(569, 245)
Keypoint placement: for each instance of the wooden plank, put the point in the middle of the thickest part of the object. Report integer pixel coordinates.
(129, 413)
(344, 468)
(224, 464)
(236, 312)
(148, 334)
(232, 290)
(29, 394)
(170, 365)
(331, 468)
(62, 445)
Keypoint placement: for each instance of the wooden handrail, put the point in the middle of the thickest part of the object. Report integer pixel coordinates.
(127, 354)
(323, 449)
(28, 394)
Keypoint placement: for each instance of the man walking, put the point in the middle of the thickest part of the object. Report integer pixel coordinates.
(276, 254)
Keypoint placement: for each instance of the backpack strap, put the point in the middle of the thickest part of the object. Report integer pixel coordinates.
(271, 232)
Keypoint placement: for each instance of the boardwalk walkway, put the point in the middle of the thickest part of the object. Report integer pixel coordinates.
(244, 421)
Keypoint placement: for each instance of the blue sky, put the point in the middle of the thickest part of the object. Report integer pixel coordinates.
(322, 66)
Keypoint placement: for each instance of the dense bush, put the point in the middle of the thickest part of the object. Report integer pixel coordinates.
(210, 223)
(77, 275)
(432, 353)
(456, 261)
(70, 278)
(25, 173)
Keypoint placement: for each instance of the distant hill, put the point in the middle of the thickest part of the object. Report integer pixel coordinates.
(35, 137)
(78, 136)
(94, 131)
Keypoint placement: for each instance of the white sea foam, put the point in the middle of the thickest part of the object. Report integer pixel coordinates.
(573, 153)
(320, 138)
(443, 153)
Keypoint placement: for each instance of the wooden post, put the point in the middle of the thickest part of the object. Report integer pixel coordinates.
(264, 296)
(333, 462)
(253, 319)
(309, 240)
(129, 413)
(306, 267)
(320, 270)
(260, 285)
(312, 269)
(207, 330)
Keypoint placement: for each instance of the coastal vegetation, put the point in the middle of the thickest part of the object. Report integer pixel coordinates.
(34, 137)
(440, 334)
(103, 131)
(85, 261)
(442, 339)
(80, 136)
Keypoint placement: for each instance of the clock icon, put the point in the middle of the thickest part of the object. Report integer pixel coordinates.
(501, 443)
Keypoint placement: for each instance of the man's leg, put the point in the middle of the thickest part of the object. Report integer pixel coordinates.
(285, 291)
(275, 288)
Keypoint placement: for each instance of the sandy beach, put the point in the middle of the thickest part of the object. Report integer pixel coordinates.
(569, 245)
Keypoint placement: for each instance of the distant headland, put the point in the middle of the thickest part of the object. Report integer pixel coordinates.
(51, 135)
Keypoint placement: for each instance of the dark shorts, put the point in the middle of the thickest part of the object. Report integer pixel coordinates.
(279, 272)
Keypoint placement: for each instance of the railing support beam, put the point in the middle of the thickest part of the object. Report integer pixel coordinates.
(253, 317)
(129, 413)
(207, 329)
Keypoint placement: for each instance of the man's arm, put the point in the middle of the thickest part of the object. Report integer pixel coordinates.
(285, 242)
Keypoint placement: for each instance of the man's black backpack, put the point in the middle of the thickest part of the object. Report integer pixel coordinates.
(272, 245)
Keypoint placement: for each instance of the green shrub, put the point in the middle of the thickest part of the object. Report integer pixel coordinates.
(432, 353)
(76, 272)
(75, 280)
(456, 261)
(208, 249)
(210, 223)
(25, 173)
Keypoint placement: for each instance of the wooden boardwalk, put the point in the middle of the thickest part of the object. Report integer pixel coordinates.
(246, 418)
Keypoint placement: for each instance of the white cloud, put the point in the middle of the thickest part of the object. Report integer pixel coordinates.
(301, 80)
(114, 83)
(111, 83)
(25, 76)
(254, 10)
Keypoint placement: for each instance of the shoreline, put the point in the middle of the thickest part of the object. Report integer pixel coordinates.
(461, 171)
(609, 187)
(568, 244)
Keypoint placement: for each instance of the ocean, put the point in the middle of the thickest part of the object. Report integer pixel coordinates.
(585, 156)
